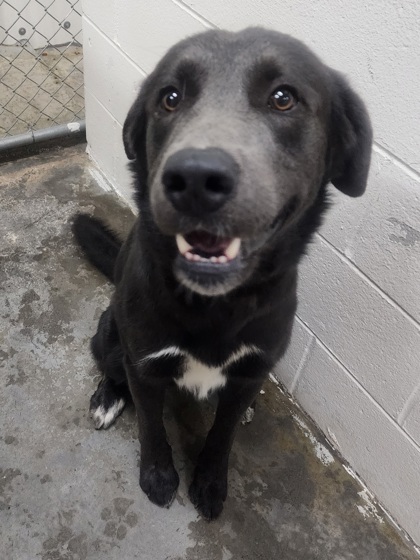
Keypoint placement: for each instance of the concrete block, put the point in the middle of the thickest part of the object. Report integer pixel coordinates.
(366, 332)
(380, 232)
(412, 422)
(343, 218)
(123, 175)
(103, 14)
(100, 129)
(296, 355)
(374, 43)
(109, 75)
(386, 245)
(104, 135)
(148, 32)
(376, 447)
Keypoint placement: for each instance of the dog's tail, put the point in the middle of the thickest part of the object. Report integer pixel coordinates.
(99, 243)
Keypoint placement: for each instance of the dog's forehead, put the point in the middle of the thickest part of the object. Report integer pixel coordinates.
(247, 49)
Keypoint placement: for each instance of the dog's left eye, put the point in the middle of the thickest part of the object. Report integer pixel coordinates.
(170, 99)
(282, 99)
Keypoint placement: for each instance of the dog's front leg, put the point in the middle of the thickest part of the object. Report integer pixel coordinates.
(208, 490)
(158, 477)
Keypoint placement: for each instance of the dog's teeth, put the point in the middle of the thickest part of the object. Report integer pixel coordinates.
(183, 246)
(186, 251)
(233, 249)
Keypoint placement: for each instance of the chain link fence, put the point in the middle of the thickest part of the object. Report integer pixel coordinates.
(41, 65)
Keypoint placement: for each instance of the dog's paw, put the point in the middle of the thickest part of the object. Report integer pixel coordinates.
(159, 484)
(207, 493)
(104, 417)
(105, 405)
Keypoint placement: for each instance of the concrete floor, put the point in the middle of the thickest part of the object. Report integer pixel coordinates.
(70, 492)
(40, 88)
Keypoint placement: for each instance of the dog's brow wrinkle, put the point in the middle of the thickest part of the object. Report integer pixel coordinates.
(187, 67)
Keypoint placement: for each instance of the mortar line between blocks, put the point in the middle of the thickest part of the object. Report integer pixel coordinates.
(115, 45)
(105, 109)
(393, 421)
(408, 405)
(371, 283)
(302, 363)
(190, 11)
(355, 233)
(406, 167)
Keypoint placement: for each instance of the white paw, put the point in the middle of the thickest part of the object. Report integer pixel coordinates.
(103, 417)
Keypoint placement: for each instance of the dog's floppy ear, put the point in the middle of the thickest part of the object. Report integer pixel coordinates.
(350, 139)
(134, 130)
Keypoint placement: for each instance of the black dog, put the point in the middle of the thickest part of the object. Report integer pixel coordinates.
(234, 138)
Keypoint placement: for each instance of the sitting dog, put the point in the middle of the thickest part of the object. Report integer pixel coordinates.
(233, 138)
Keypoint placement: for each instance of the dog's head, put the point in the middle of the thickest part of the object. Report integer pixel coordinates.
(233, 135)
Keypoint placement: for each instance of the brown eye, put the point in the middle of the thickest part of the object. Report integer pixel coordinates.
(282, 100)
(170, 100)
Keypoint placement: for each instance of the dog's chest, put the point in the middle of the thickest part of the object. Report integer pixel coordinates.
(197, 377)
(200, 378)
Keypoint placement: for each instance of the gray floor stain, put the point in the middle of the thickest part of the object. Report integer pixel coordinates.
(70, 492)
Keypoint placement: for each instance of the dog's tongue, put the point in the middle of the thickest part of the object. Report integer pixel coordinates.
(207, 243)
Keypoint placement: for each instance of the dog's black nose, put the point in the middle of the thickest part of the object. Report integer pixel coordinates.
(199, 181)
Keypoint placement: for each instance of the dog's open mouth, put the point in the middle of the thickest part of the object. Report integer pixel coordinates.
(204, 247)
(208, 264)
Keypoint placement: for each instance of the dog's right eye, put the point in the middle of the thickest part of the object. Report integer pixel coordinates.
(282, 99)
(170, 99)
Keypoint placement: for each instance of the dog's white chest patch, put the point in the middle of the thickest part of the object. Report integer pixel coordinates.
(200, 378)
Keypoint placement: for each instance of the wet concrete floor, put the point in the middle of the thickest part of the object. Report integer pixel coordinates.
(70, 492)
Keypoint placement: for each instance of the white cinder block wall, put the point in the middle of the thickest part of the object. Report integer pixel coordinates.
(354, 363)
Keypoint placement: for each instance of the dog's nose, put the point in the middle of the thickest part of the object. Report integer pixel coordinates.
(199, 181)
